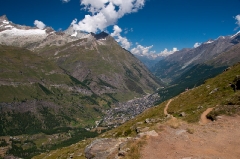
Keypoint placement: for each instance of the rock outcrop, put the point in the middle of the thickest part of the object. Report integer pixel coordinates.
(104, 148)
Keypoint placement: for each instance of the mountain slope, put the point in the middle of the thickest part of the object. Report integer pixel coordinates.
(179, 62)
(57, 86)
(189, 68)
(33, 85)
(104, 65)
(217, 93)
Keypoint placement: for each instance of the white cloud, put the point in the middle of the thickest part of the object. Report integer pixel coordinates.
(167, 52)
(197, 44)
(65, 1)
(142, 51)
(117, 31)
(105, 13)
(122, 40)
(238, 20)
(39, 24)
(146, 51)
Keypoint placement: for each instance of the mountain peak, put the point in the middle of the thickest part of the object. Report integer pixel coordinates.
(3, 17)
(101, 35)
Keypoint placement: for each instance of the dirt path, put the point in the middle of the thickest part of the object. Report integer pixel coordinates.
(204, 119)
(166, 108)
(219, 139)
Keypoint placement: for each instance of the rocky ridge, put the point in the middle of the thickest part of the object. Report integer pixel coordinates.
(178, 63)
(33, 38)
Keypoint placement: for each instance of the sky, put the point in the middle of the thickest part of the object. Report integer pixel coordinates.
(142, 26)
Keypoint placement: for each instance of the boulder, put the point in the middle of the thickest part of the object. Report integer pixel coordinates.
(183, 114)
(147, 121)
(139, 129)
(103, 148)
(213, 91)
(148, 133)
(122, 153)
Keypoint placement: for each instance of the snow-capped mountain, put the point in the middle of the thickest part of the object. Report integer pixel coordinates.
(32, 37)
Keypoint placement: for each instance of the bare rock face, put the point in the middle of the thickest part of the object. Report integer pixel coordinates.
(103, 148)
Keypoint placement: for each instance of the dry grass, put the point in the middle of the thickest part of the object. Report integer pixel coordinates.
(174, 123)
(75, 151)
(135, 148)
(190, 130)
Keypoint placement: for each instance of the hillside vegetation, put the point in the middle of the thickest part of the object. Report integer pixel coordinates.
(221, 93)
(54, 96)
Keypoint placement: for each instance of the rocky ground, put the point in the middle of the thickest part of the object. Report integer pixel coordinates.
(176, 139)
(209, 140)
(214, 140)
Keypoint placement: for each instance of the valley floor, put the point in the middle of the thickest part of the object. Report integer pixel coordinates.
(180, 140)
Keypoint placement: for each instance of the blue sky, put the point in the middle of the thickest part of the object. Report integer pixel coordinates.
(150, 25)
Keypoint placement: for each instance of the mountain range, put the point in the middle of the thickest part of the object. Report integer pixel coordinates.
(63, 82)
(59, 87)
(189, 68)
(155, 132)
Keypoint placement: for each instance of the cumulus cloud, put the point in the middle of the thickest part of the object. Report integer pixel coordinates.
(39, 24)
(197, 44)
(142, 51)
(167, 52)
(146, 51)
(117, 31)
(238, 20)
(122, 40)
(105, 13)
(65, 1)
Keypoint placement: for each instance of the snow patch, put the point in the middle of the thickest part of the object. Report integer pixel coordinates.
(74, 34)
(6, 22)
(9, 26)
(19, 32)
(209, 42)
(235, 34)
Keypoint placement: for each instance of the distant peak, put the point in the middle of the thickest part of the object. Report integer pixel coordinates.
(236, 34)
(101, 35)
(3, 17)
(209, 41)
